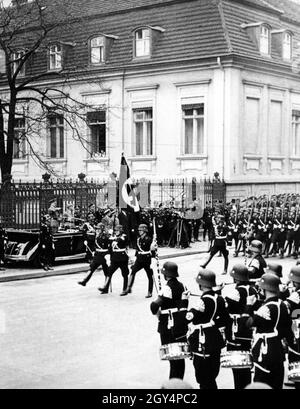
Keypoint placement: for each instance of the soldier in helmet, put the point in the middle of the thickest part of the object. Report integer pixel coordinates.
(118, 259)
(220, 243)
(273, 324)
(170, 307)
(204, 336)
(257, 263)
(238, 335)
(101, 250)
(143, 259)
(293, 303)
(274, 268)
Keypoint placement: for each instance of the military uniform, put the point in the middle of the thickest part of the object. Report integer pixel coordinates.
(238, 335)
(118, 259)
(143, 261)
(46, 245)
(101, 247)
(272, 323)
(171, 309)
(89, 235)
(293, 303)
(204, 336)
(257, 263)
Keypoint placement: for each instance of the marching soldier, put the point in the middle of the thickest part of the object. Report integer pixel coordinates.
(118, 259)
(257, 263)
(46, 244)
(143, 259)
(89, 234)
(221, 231)
(204, 336)
(101, 246)
(170, 307)
(239, 336)
(293, 303)
(273, 324)
(3, 242)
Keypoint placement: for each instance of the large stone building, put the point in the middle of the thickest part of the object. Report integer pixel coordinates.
(188, 88)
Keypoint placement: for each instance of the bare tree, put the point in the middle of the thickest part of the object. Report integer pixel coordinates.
(27, 28)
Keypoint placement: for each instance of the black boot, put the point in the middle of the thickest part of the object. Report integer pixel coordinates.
(85, 280)
(125, 284)
(150, 288)
(130, 285)
(104, 290)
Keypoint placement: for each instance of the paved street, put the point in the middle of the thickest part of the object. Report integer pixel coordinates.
(58, 334)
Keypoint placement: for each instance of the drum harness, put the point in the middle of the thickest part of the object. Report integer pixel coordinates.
(170, 312)
(235, 318)
(266, 335)
(201, 327)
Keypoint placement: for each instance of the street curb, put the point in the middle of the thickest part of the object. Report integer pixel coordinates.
(81, 269)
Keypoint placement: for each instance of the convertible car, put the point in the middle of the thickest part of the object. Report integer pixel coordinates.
(23, 245)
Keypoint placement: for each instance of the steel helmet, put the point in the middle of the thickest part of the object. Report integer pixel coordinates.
(240, 272)
(275, 269)
(270, 282)
(207, 278)
(256, 246)
(295, 274)
(170, 269)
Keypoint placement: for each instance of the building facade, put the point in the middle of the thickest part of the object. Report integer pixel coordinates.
(183, 88)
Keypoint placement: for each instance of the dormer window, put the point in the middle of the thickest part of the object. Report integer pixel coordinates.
(142, 42)
(55, 57)
(264, 44)
(97, 50)
(287, 46)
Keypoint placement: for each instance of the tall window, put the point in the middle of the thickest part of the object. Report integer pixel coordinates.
(143, 131)
(287, 46)
(252, 125)
(296, 132)
(19, 146)
(16, 58)
(264, 39)
(193, 129)
(55, 57)
(97, 45)
(275, 129)
(56, 136)
(97, 128)
(142, 42)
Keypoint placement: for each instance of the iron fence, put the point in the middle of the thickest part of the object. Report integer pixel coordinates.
(22, 204)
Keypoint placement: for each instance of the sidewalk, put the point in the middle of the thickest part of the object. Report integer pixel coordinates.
(15, 273)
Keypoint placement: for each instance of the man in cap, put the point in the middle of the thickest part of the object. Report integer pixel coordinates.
(273, 324)
(293, 303)
(204, 336)
(170, 307)
(257, 263)
(221, 231)
(143, 259)
(101, 246)
(238, 335)
(118, 259)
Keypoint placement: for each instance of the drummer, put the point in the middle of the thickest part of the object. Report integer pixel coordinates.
(204, 336)
(273, 324)
(171, 309)
(238, 336)
(293, 303)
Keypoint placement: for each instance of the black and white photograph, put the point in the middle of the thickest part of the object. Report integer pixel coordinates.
(149, 197)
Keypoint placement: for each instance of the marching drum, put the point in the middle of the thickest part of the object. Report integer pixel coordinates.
(236, 359)
(294, 372)
(172, 352)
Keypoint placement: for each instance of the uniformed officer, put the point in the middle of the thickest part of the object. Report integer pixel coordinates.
(221, 231)
(170, 307)
(238, 335)
(293, 303)
(257, 263)
(204, 336)
(89, 235)
(46, 244)
(273, 324)
(143, 259)
(3, 243)
(119, 259)
(101, 250)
